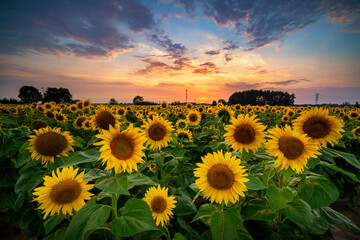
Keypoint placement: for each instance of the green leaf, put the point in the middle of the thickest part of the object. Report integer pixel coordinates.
(254, 183)
(298, 211)
(137, 179)
(8, 177)
(184, 206)
(135, 218)
(94, 174)
(348, 157)
(278, 197)
(258, 210)
(179, 236)
(318, 226)
(24, 153)
(89, 217)
(224, 224)
(204, 213)
(91, 155)
(194, 235)
(338, 219)
(312, 162)
(117, 184)
(336, 168)
(28, 180)
(8, 147)
(52, 222)
(318, 192)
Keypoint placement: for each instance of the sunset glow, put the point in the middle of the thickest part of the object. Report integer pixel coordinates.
(158, 49)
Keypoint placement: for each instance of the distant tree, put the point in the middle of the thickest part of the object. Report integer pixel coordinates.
(214, 103)
(112, 101)
(138, 100)
(58, 95)
(260, 97)
(29, 94)
(9, 101)
(222, 101)
(357, 104)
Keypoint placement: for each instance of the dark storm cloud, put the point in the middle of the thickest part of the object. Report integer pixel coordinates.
(83, 28)
(267, 22)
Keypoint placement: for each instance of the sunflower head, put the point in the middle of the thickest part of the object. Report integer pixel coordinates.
(121, 150)
(225, 113)
(245, 133)
(63, 191)
(161, 205)
(104, 118)
(356, 132)
(291, 148)
(163, 104)
(87, 103)
(221, 177)
(181, 124)
(38, 124)
(49, 143)
(61, 118)
(320, 126)
(193, 118)
(79, 121)
(157, 132)
(184, 134)
(353, 115)
(86, 125)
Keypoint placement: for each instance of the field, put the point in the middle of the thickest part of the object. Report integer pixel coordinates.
(86, 171)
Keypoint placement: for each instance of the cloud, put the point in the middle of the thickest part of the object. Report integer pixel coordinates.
(212, 52)
(154, 66)
(265, 23)
(288, 82)
(81, 28)
(241, 86)
(207, 68)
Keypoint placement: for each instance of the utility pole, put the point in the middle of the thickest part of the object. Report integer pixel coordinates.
(186, 96)
(316, 98)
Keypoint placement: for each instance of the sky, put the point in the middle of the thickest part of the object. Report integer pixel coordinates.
(158, 49)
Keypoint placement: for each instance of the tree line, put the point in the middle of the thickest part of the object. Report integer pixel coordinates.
(260, 97)
(30, 94)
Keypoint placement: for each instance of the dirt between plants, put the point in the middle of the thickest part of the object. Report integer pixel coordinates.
(343, 207)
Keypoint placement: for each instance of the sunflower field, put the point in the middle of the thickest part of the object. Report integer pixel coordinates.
(86, 171)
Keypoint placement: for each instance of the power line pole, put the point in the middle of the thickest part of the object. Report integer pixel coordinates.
(316, 98)
(186, 96)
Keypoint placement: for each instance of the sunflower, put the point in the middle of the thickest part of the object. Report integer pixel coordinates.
(152, 167)
(121, 150)
(285, 118)
(73, 108)
(63, 191)
(225, 113)
(104, 118)
(164, 104)
(353, 115)
(157, 132)
(60, 118)
(161, 205)
(221, 178)
(291, 148)
(121, 111)
(189, 105)
(40, 109)
(80, 105)
(151, 115)
(48, 106)
(181, 123)
(86, 125)
(356, 132)
(193, 118)
(38, 124)
(245, 133)
(182, 133)
(79, 121)
(320, 126)
(87, 103)
(49, 143)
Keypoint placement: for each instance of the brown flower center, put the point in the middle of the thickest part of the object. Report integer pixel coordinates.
(79, 121)
(291, 147)
(121, 112)
(122, 147)
(157, 131)
(50, 115)
(193, 117)
(158, 204)
(244, 134)
(353, 115)
(317, 127)
(65, 191)
(220, 177)
(163, 105)
(104, 119)
(357, 132)
(59, 117)
(50, 144)
(87, 124)
(38, 124)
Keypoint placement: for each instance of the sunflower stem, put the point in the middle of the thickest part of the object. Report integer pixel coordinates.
(196, 196)
(167, 233)
(114, 206)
